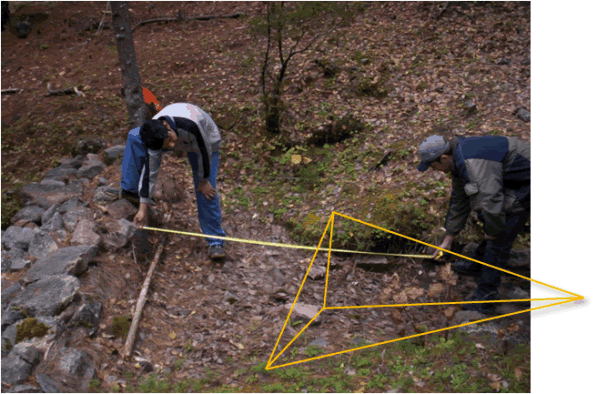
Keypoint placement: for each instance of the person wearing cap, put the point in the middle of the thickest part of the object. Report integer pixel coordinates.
(492, 176)
(182, 127)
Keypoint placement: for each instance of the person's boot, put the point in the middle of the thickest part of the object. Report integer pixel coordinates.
(485, 308)
(467, 267)
(216, 252)
(118, 192)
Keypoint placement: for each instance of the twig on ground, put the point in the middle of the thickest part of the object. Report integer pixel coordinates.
(12, 90)
(130, 339)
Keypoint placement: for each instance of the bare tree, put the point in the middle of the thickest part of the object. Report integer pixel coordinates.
(290, 29)
(133, 92)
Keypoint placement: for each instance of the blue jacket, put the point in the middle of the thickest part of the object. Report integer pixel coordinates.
(491, 175)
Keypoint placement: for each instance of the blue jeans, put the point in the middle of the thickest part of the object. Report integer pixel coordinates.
(209, 211)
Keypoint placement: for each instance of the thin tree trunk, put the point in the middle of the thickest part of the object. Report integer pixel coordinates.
(133, 92)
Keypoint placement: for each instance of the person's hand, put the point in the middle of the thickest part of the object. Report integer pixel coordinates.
(206, 189)
(142, 217)
(446, 244)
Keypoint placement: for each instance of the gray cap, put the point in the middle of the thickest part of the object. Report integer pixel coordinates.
(430, 150)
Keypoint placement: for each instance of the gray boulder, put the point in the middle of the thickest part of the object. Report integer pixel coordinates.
(84, 234)
(71, 204)
(47, 195)
(72, 260)
(10, 292)
(78, 364)
(119, 233)
(18, 260)
(9, 335)
(47, 384)
(17, 237)
(11, 316)
(113, 153)
(42, 245)
(61, 174)
(86, 145)
(91, 169)
(24, 388)
(72, 217)
(523, 114)
(100, 196)
(47, 296)
(52, 182)
(54, 224)
(121, 209)
(49, 213)
(6, 261)
(30, 213)
(87, 315)
(15, 370)
(467, 316)
(75, 162)
(26, 352)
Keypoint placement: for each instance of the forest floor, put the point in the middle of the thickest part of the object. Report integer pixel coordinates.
(212, 326)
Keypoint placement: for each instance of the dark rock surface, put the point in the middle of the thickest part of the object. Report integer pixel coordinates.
(30, 213)
(47, 296)
(72, 260)
(17, 237)
(47, 195)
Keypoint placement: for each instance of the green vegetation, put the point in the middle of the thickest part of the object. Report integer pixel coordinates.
(30, 328)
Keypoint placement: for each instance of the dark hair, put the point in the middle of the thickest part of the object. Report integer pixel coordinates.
(153, 133)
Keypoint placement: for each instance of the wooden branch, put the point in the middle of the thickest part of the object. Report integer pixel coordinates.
(190, 18)
(62, 92)
(382, 162)
(130, 339)
(12, 90)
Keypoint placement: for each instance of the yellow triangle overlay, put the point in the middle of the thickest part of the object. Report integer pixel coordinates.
(330, 225)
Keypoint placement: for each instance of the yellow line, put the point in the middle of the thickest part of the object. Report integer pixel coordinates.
(425, 333)
(327, 271)
(281, 245)
(293, 339)
(448, 303)
(456, 254)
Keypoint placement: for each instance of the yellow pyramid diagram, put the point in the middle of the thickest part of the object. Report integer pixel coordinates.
(330, 226)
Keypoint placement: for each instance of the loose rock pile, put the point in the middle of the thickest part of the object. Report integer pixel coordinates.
(51, 242)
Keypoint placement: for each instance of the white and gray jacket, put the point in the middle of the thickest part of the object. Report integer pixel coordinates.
(196, 131)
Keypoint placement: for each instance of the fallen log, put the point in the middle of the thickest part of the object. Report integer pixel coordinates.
(11, 91)
(189, 18)
(130, 339)
(62, 92)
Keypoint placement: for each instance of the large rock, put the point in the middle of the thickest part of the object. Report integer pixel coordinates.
(468, 316)
(49, 213)
(119, 233)
(17, 259)
(87, 315)
(100, 196)
(61, 174)
(305, 311)
(26, 352)
(70, 205)
(75, 162)
(11, 316)
(113, 153)
(91, 169)
(30, 213)
(47, 384)
(54, 224)
(72, 217)
(47, 195)
(523, 114)
(52, 182)
(24, 388)
(78, 364)
(72, 260)
(84, 234)
(42, 245)
(15, 370)
(47, 296)
(6, 261)
(86, 145)
(17, 237)
(10, 292)
(121, 209)
(10, 336)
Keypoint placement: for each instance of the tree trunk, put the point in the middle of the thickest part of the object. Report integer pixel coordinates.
(133, 92)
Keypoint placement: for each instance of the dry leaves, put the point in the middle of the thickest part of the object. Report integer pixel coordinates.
(435, 289)
(447, 275)
(413, 292)
(450, 312)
